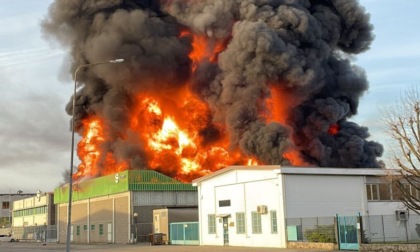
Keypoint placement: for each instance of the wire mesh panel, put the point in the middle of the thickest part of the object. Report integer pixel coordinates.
(391, 229)
(316, 229)
(40, 233)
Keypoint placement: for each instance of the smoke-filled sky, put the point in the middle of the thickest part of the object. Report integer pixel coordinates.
(36, 85)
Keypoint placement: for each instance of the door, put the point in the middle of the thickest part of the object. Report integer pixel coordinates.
(71, 233)
(156, 223)
(347, 233)
(225, 231)
(109, 233)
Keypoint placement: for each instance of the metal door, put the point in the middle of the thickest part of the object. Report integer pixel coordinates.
(347, 233)
(71, 233)
(225, 231)
(109, 234)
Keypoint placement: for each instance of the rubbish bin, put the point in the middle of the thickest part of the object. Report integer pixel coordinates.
(156, 238)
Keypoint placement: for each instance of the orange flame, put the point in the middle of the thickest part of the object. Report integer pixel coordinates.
(334, 129)
(90, 153)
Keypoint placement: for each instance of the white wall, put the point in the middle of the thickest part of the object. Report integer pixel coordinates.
(324, 195)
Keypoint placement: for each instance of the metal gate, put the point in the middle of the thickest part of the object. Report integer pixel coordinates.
(184, 233)
(347, 232)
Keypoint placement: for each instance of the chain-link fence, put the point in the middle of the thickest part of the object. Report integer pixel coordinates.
(391, 228)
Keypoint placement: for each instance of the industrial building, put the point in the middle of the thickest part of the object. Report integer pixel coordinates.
(6, 202)
(34, 218)
(118, 208)
(249, 205)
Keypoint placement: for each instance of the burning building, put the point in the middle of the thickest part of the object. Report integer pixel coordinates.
(211, 83)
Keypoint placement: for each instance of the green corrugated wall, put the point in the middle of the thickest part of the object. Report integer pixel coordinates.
(135, 180)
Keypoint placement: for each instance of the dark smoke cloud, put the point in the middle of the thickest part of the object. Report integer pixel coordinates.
(300, 47)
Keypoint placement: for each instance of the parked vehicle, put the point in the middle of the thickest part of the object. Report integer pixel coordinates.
(7, 238)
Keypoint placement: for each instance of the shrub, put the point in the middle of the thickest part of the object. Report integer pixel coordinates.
(323, 233)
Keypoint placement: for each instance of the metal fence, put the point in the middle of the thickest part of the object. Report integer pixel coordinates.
(143, 231)
(317, 229)
(391, 229)
(33, 233)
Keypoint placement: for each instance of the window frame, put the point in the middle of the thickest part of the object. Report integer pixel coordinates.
(240, 223)
(256, 223)
(273, 222)
(211, 224)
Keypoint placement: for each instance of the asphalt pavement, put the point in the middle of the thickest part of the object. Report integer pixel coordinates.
(143, 247)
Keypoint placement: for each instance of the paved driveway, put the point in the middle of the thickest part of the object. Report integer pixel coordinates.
(39, 247)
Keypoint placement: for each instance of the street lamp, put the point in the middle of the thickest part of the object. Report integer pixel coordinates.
(72, 142)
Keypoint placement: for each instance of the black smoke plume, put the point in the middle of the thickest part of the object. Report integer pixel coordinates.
(301, 47)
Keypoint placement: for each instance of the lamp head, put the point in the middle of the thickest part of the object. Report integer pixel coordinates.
(116, 61)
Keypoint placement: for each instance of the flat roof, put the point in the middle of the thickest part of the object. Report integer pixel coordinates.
(302, 171)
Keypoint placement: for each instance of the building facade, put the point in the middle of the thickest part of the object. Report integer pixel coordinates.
(248, 206)
(118, 208)
(6, 203)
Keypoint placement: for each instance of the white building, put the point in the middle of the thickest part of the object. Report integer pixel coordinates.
(34, 211)
(6, 203)
(248, 205)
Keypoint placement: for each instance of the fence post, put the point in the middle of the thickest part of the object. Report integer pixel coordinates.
(359, 229)
(301, 229)
(383, 228)
(337, 230)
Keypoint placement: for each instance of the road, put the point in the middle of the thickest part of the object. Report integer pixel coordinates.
(40, 247)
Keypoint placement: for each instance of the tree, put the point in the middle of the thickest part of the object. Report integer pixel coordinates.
(403, 125)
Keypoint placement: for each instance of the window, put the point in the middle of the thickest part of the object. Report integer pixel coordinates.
(372, 192)
(273, 218)
(223, 203)
(256, 223)
(84, 227)
(101, 229)
(396, 193)
(384, 192)
(77, 230)
(5, 205)
(240, 223)
(212, 223)
(92, 227)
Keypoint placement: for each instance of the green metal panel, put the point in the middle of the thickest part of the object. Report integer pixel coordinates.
(134, 180)
(184, 233)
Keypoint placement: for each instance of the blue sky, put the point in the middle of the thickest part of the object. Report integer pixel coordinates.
(35, 85)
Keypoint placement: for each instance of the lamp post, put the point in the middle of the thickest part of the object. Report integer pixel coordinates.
(72, 142)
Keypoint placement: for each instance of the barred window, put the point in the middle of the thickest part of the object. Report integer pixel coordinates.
(256, 223)
(212, 223)
(273, 218)
(240, 223)
(101, 229)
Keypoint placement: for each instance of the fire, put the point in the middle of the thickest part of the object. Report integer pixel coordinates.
(203, 49)
(294, 158)
(173, 130)
(334, 129)
(252, 162)
(93, 160)
(173, 143)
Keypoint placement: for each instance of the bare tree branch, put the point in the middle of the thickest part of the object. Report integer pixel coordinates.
(403, 125)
